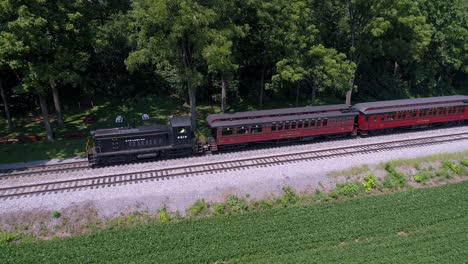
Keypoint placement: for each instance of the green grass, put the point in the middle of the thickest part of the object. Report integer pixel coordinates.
(349, 172)
(431, 158)
(419, 226)
(158, 108)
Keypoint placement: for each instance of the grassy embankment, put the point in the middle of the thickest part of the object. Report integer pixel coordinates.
(347, 224)
(419, 226)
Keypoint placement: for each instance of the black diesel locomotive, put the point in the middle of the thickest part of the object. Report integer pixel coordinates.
(117, 145)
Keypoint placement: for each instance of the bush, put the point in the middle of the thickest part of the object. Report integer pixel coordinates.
(289, 197)
(219, 209)
(452, 166)
(200, 207)
(422, 176)
(163, 216)
(6, 238)
(319, 196)
(56, 214)
(236, 204)
(334, 194)
(347, 189)
(444, 173)
(464, 162)
(265, 205)
(370, 182)
(393, 179)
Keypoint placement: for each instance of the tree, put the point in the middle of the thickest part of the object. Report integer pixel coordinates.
(446, 56)
(50, 33)
(8, 49)
(171, 35)
(218, 53)
(219, 59)
(320, 67)
(5, 104)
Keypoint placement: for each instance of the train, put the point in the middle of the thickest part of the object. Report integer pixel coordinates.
(242, 129)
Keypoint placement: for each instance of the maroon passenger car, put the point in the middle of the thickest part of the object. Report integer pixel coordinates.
(239, 129)
(411, 112)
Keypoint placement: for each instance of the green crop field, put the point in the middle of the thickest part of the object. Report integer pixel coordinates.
(419, 226)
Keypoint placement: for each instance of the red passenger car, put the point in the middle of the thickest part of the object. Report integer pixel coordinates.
(411, 112)
(239, 129)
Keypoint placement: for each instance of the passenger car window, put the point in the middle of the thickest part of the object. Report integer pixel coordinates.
(227, 131)
(257, 129)
(242, 130)
(273, 127)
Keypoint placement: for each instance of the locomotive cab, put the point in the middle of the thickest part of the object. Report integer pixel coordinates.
(182, 130)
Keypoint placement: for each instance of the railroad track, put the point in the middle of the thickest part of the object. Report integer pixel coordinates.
(215, 167)
(43, 169)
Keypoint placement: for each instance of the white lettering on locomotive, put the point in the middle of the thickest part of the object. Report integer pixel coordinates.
(135, 140)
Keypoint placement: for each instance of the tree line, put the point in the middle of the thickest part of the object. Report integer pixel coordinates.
(221, 50)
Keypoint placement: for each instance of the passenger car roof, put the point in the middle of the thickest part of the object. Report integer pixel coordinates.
(408, 104)
(278, 115)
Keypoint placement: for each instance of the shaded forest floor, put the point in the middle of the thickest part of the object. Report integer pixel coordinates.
(105, 111)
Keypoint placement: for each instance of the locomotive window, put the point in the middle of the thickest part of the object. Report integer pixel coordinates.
(414, 114)
(367, 118)
(319, 122)
(306, 123)
(461, 110)
(422, 113)
(382, 117)
(299, 124)
(286, 126)
(312, 122)
(181, 130)
(257, 129)
(227, 131)
(325, 122)
(242, 130)
(280, 126)
(293, 125)
(375, 118)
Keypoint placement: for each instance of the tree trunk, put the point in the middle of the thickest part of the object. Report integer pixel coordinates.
(223, 94)
(298, 86)
(7, 109)
(193, 108)
(262, 88)
(45, 115)
(58, 107)
(395, 68)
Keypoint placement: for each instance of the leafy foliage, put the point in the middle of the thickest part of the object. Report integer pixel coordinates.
(423, 176)
(452, 166)
(393, 179)
(370, 182)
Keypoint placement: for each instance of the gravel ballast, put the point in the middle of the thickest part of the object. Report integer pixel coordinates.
(180, 193)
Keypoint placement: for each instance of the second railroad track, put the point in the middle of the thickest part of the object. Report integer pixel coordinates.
(216, 167)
